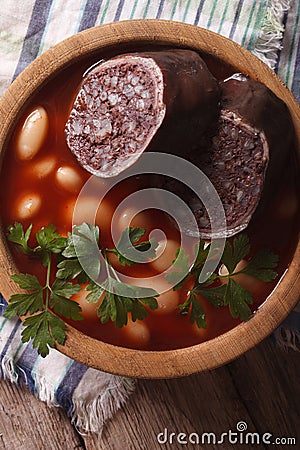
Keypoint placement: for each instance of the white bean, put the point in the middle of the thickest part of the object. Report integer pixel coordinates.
(43, 167)
(28, 205)
(132, 217)
(200, 332)
(87, 209)
(223, 271)
(137, 333)
(69, 179)
(167, 301)
(166, 252)
(32, 134)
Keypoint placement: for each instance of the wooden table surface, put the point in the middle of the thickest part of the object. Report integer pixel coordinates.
(261, 389)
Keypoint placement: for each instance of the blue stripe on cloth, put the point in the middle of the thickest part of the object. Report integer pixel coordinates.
(119, 10)
(24, 366)
(68, 384)
(34, 372)
(47, 26)
(160, 8)
(90, 14)
(10, 339)
(34, 35)
(80, 14)
(236, 18)
(199, 10)
(63, 374)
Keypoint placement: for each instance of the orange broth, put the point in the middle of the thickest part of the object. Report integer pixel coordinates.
(276, 229)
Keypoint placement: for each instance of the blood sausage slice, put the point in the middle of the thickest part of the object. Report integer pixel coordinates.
(247, 155)
(128, 100)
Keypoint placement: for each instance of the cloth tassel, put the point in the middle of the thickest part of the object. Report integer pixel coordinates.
(8, 369)
(45, 390)
(91, 415)
(269, 40)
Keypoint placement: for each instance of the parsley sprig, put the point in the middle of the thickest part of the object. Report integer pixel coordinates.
(47, 303)
(65, 261)
(43, 302)
(231, 294)
(118, 298)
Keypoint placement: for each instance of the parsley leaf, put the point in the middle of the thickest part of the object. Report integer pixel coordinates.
(201, 253)
(50, 242)
(96, 292)
(215, 295)
(107, 310)
(21, 304)
(65, 289)
(138, 310)
(68, 269)
(60, 302)
(135, 234)
(234, 253)
(182, 269)
(238, 299)
(27, 281)
(82, 244)
(261, 266)
(116, 307)
(44, 329)
(182, 266)
(17, 235)
(197, 312)
(128, 245)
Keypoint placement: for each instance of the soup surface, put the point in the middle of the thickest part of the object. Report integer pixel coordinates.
(42, 185)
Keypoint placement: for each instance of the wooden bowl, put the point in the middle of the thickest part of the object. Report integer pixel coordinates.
(118, 36)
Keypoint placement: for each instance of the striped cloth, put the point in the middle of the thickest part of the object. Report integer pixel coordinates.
(90, 396)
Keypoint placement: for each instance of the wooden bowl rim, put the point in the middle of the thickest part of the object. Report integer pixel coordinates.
(228, 346)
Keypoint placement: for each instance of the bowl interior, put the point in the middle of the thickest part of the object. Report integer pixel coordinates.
(116, 38)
